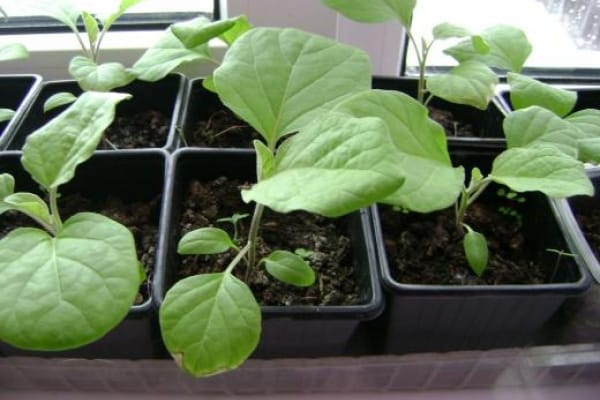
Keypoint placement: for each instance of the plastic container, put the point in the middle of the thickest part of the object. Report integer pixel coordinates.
(309, 331)
(17, 93)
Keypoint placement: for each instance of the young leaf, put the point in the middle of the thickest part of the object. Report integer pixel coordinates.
(298, 76)
(446, 30)
(123, 7)
(471, 83)
(265, 160)
(13, 51)
(6, 114)
(526, 91)
(7, 185)
(240, 27)
(419, 149)
(335, 165)
(479, 44)
(91, 27)
(205, 241)
(289, 268)
(27, 203)
(65, 11)
(210, 323)
(589, 150)
(101, 78)
(59, 99)
(85, 278)
(374, 10)
(543, 169)
(509, 48)
(200, 30)
(476, 250)
(52, 153)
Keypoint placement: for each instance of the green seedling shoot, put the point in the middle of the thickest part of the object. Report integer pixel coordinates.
(68, 282)
(559, 255)
(234, 219)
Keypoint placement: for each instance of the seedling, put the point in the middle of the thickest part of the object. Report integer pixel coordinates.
(72, 281)
(234, 219)
(559, 255)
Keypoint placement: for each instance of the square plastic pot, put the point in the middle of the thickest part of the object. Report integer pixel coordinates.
(129, 176)
(17, 93)
(165, 96)
(424, 318)
(290, 331)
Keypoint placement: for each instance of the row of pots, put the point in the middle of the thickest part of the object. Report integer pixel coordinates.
(391, 317)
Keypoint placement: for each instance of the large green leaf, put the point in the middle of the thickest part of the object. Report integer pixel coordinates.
(102, 78)
(526, 91)
(62, 292)
(289, 268)
(335, 165)
(278, 80)
(372, 11)
(6, 114)
(545, 169)
(471, 83)
(210, 323)
(52, 153)
(65, 11)
(421, 154)
(13, 51)
(509, 48)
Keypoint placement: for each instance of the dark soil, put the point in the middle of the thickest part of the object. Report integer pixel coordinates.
(427, 249)
(205, 202)
(590, 225)
(139, 217)
(452, 126)
(141, 130)
(223, 130)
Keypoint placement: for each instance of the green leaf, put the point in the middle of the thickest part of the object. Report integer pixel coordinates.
(62, 292)
(479, 44)
(123, 7)
(476, 250)
(526, 91)
(335, 165)
(289, 268)
(6, 114)
(278, 80)
(200, 30)
(52, 152)
(208, 83)
(586, 122)
(7, 185)
(446, 30)
(589, 150)
(59, 99)
(471, 83)
(544, 169)
(91, 27)
(165, 56)
(65, 11)
(29, 204)
(265, 160)
(240, 27)
(210, 323)
(419, 149)
(13, 51)
(101, 78)
(205, 241)
(509, 48)
(374, 10)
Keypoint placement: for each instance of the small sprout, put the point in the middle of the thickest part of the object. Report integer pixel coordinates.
(559, 255)
(234, 219)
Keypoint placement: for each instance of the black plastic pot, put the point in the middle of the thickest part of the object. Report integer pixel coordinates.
(165, 96)
(423, 318)
(486, 124)
(129, 176)
(17, 93)
(306, 331)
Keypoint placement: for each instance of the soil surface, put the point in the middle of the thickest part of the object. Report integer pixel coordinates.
(427, 248)
(451, 125)
(141, 130)
(223, 130)
(206, 202)
(590, 226)
(140, 217)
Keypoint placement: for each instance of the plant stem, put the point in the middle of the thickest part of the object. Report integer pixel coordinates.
(237, 258)
(468, 197)
(54, 209)
(252, 238)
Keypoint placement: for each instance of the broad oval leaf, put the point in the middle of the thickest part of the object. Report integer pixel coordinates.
(101, 78)
(509, 48)
(374, 10)
(27, 203)
(205, 241)
(13, 51)
(471, 83)
(446, 30)
(6, 114)
(289, 268)
(542, 169)
(58, 100)
(278, 80)
(335, 165)
(526, 91)
(210, 323)
(52, 153)
(62, 292)
(476, 250)
(7, 185)
(421, 153)
(200, 30)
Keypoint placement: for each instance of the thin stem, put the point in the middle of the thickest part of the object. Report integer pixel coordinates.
(478, 190)
(237, 258)
(54, 209)
(96, 50)
(252, 236)
(85, 50)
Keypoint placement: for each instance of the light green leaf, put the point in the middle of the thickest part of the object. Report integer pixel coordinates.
(374, 10)
(289, 268)
(470, 83)
(476, 250)
(91, 27)
(543, 169)
(59, 99)
(265, 160)
(52, 152)
(200, 30)
(13, 51)
(208, 83)
(278, 80)
(7, 185)
(123, 7)
(62, 292)
(479, 44)
(240, 27)
(335, 165)
(526, 91)
(27, 203)
(65, 11)
(587, 123)
(6, 114)
(101, 78)
(210, 323)
(509, 48)
(205, 241)
(421, 153)
(589, 150)
(446, 30)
